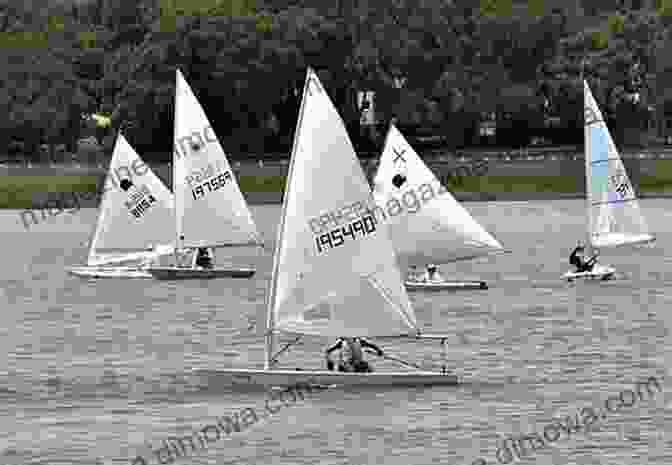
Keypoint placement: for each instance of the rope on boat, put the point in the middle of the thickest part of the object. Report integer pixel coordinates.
(413, 365)
(274, 360)
(398, 360)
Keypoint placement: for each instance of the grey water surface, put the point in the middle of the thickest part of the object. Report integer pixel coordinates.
(98, 372)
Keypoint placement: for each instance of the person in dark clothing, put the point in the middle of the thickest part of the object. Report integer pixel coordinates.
(432, 273)
(578, 260)
(351, 355)
(203, 258)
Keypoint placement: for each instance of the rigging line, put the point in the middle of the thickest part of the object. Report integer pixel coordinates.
(608, 202)
(386, 295)
(403, 362)
(274, 359)
(603, 160)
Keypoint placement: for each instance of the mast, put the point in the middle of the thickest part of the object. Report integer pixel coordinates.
(270, 326)
(175, 155)
(99, 217)
(587, 160)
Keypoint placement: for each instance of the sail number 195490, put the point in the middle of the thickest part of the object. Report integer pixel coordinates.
(336, 237)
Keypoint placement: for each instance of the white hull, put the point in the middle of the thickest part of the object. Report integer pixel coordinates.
(598, 272)
(178, 272)
(413, 285)
(119, 272)
(325, 378)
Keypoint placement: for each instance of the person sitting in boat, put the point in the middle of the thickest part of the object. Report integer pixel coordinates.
(351, 355)
(414, 274)
(578, 260)
(432, 273)
(152, 260)
(203, 258)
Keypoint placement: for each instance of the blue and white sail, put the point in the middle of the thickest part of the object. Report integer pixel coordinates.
(614, 216)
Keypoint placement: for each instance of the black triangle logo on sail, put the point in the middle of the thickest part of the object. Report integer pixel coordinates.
(398, 180)
(126, 184)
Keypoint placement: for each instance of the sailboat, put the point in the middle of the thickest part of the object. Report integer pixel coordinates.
(210, 210)
(334, 271)
(614, 217)
(427, 224)
(134, 223)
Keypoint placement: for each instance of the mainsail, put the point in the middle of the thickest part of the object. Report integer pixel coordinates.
(334, 265)
(136, 212)
(430, 226)
(614, 217)
(210, 210)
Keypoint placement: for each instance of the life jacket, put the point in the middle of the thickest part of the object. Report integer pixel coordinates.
(575, 260)
(352, 351)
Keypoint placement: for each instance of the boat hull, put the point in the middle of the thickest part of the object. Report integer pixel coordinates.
(412, 285)
(282, 378)
(600, 272)
(118, 272)
(179, 273)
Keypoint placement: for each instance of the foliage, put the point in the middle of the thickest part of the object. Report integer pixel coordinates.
(664, 7)
(246, 61)
(536, 8)
(600, 40)
(496, 7)
(616, 24)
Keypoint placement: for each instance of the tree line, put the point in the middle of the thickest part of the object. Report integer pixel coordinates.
(436, 66)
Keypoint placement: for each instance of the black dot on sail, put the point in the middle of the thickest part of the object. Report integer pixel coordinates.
(398, 180)
(195, 147)
(181, 238)
(125, 184)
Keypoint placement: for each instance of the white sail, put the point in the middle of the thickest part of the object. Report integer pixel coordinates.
(136, 212)
(427, 224)
(614, 217)
(334, 266)
(210, 208)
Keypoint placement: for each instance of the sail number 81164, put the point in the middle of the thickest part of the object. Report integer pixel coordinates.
(336, 237)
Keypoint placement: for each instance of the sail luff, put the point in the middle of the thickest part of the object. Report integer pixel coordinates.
(270, 316)
(90, 260)
(588, 170)
(178, 200)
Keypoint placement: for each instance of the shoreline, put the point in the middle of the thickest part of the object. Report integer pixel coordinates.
(32, 188)
(275, 198)
(88, 200)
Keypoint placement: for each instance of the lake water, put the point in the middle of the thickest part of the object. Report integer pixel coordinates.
(99, 372)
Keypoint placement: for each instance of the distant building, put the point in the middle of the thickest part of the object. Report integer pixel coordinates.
(365, 103)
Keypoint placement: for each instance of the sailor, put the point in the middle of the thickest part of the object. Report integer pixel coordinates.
(578, 260)
(432, 273)
(151, 260)
(413, 273)
(203, 258)
(351, 354)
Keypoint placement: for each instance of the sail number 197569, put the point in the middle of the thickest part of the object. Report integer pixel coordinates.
(336, 237)
(212, 184)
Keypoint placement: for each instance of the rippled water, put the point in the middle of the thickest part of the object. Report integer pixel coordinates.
(99, 372)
